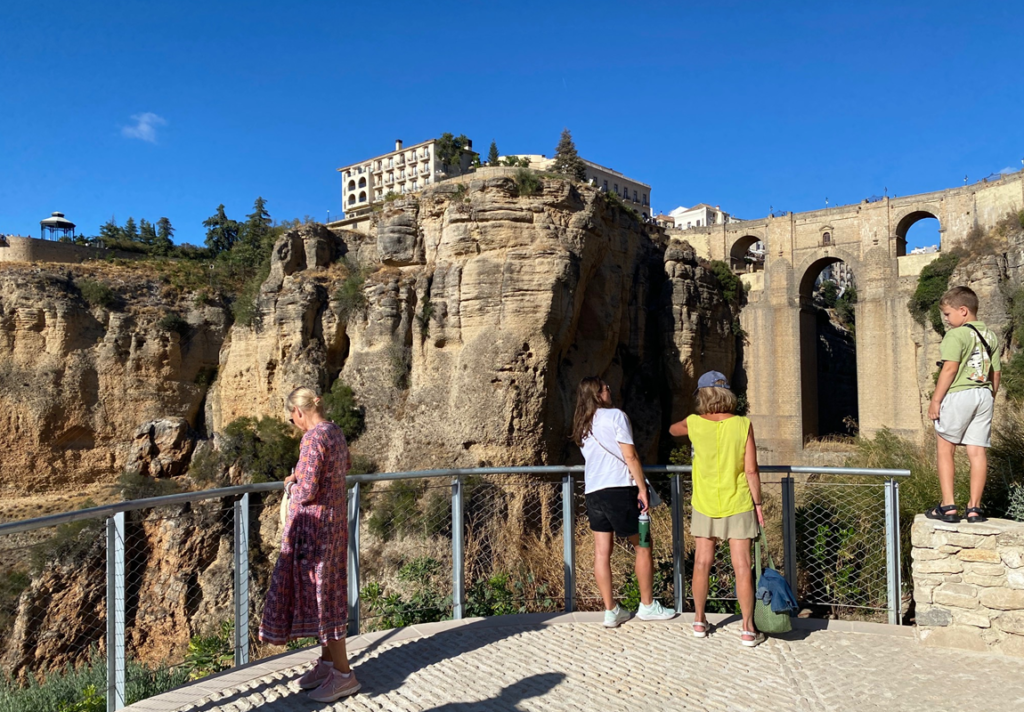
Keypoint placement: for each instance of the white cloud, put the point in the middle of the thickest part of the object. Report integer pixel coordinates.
(1009, 169)
(145, 127)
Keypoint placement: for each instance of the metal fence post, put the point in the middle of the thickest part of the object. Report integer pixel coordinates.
(894, 587)
(678, 570)
(789, 531)
(458, 551)
(569, 541)
(115, 612)
(353, 560)
(242, 580)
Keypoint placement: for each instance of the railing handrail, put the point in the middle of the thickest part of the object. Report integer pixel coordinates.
(107, 510)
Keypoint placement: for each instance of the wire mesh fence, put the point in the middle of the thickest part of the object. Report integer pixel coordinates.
(840, 546)
(181, 567)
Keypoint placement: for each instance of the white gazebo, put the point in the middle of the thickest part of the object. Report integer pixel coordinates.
(57, 226)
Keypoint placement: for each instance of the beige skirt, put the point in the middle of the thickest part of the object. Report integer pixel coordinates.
(735, 526)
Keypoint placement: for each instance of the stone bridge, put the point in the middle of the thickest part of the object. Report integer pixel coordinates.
(893, 366)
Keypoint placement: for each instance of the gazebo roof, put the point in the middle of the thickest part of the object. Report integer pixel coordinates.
(56, 220)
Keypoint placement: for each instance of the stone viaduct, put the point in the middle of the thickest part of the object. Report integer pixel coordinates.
(780, 357)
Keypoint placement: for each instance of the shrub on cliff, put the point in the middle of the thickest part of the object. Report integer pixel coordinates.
(527, 182)
(350, 297)
(95, 293)
(731, 286)
(265, 450)
(173, 322)
(341, 408)
(931, 285)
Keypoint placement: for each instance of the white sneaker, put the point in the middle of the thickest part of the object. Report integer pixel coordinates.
(615, 617)
(655, 612)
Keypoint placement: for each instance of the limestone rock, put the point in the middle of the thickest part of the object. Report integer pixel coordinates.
(1002, 599)
(161, 448)
(76, 380)
(483, 311)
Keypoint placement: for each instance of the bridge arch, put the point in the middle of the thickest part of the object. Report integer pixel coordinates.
(906, 222)
(740, 259)
(828, 357)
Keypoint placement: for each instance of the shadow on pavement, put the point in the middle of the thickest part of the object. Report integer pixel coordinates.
(533, 686)
(389, 670)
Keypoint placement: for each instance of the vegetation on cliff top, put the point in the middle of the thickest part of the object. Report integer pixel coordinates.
(931, 285)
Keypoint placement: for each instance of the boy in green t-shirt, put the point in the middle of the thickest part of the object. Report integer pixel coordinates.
(962, 404)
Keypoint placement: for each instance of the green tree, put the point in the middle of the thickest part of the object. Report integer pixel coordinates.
(221, 231)
(450, 149)
(340, 407)
(164, 232)
(147, 233)
(567, 161)
(256, 231)
(110, 233)
(492, 155)
(131, 232)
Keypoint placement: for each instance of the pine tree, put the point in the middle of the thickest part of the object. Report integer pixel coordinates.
(567, 162)
(131, 232)
(221, 231)
(163, 243)
(110, 233)
(492, 155)
(256, 229)
(147, 233)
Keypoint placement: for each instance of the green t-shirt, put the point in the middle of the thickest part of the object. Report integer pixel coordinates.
(963, 346)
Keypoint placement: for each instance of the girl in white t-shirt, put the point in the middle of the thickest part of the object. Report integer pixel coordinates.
(616, 493)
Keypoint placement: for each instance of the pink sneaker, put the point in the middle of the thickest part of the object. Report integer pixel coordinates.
(315, 676)
(336, 686)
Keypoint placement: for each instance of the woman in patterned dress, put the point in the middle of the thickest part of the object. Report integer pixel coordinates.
(308, 593)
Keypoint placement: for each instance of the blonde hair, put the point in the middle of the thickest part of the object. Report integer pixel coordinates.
(305, 399)
(715, 400)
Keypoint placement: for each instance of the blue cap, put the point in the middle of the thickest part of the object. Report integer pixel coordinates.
(713, 379)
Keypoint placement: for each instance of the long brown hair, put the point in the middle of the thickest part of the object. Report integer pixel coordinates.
(588, 400)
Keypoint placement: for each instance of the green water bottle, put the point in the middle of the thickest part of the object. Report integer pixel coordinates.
(645, 530)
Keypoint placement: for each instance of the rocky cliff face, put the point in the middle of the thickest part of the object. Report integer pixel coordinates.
(483, 311)
(76, 380)
(479, 311)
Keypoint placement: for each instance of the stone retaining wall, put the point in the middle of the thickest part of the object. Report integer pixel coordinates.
(31, 249)
(969, 584)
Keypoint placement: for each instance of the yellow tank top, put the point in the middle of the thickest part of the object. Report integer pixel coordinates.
(719, 482)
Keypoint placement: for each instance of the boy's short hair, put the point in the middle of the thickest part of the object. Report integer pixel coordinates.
(715, 400)
(960, 297)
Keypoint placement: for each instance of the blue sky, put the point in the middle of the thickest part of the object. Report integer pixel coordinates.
(168, 109)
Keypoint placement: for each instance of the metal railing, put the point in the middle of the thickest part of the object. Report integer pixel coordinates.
(828, 529)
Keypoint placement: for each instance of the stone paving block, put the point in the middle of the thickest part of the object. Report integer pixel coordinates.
(1002, 599)
(948, 566)
(1010, 621)
(985, 555)
(1012, 556)
(985, 581)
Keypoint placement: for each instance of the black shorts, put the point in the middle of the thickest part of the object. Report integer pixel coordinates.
(614, 509)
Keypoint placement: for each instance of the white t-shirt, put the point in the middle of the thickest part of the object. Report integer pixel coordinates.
(604, 469)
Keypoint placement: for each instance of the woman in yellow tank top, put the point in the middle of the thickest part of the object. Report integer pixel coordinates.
(726, 496)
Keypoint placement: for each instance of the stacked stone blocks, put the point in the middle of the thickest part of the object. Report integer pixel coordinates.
(969, 584)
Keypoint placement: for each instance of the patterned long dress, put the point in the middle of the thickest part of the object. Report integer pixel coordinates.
(308, 594)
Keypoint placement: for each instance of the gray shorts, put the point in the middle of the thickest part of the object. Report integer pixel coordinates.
(965, 417)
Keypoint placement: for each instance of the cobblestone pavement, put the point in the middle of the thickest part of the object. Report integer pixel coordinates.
(556, 666)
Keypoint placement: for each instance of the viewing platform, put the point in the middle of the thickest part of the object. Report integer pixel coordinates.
(571, 662)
